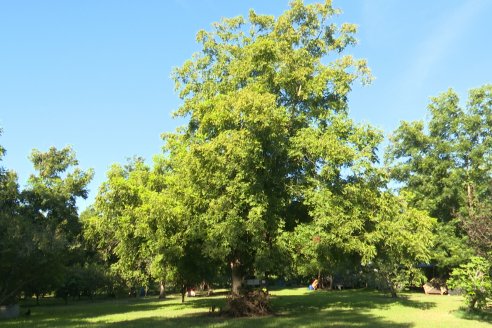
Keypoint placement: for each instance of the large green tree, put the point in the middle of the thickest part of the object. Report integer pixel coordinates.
(268, 131)
(447, 165)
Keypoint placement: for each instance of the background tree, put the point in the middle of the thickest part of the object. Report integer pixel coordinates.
(380, 232)
(141, 230)
(478, 227)
(39, 226)
(117, 228)
(15, 238)
(447, 165)
(343, 189)
(49, 204)
(404, 239)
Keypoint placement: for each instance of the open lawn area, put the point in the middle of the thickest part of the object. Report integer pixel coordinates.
(293, 308)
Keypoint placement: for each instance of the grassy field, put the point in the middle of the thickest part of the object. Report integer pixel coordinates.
(293, 308)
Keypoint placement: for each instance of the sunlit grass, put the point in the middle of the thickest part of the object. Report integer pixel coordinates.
(293, 308)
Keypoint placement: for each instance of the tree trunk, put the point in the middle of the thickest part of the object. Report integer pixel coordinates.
(237, 277)
(469, 189)
(391, 286)
(471, 307)
(183, 293)
(162, 289)
(329, 280)
(392, 290)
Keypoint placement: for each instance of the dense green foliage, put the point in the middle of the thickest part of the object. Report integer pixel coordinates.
(140, 232)
(40, 225)
(245, 153)
(473, 278)
(404, 239)
(447, 165)
(14, 241)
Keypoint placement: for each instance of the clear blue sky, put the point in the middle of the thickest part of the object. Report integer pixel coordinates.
(96, 74)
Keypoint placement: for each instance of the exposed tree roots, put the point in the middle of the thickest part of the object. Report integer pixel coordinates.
(251, 304)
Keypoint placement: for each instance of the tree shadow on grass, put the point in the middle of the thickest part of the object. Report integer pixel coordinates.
(315, 309)
(345, 318)
(320, 309)
(355, 299)
(76, 314)
(484, 315)
(207, 303)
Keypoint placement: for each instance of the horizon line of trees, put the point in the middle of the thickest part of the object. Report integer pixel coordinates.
(270, 178)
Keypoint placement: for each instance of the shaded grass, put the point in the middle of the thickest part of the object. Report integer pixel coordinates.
(293, 308)
(485, 316)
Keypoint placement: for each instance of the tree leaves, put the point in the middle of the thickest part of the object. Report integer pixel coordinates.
(447, 166)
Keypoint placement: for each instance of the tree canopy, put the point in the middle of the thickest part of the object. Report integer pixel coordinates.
(269, 148)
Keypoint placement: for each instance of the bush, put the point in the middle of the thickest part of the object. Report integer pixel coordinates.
(474, 280)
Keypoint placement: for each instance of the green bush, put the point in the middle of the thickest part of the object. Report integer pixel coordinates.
(473, 278)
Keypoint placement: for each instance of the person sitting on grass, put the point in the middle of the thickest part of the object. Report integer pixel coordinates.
(313, 285)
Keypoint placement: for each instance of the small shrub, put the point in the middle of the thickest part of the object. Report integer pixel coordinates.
(474, 280)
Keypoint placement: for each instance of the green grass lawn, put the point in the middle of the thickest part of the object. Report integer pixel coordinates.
(293, 308)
